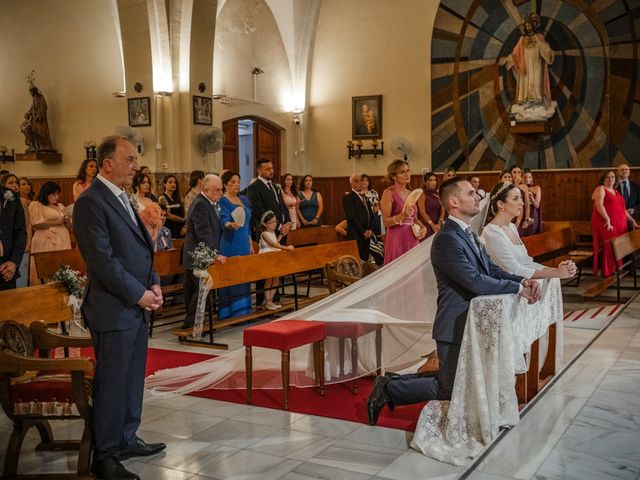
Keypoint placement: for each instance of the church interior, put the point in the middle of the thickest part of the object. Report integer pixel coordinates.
(215, 85)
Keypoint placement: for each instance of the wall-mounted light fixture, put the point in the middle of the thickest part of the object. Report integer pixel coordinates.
(202, 87)
(7, 158)
(138, 87)
(355, 148)
(90, 148)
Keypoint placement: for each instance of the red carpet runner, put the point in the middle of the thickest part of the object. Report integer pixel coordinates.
(338, 401)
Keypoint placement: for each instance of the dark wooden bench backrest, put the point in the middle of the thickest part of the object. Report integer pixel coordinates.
(168, 262)
(48, 263)
(313, 236)
(626, 244)
(548, 242)
(40, 302)
(249, 268)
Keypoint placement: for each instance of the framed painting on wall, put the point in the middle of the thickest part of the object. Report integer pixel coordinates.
(366, 117)
(202, 108)
(139, 112)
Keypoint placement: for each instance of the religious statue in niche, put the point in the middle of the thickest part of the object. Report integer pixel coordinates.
(529, 61)
(35, 127)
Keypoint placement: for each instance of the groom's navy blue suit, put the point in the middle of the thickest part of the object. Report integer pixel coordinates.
(462, 273)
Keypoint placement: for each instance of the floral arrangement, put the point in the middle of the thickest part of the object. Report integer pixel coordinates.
(72, 279)
(203, 256)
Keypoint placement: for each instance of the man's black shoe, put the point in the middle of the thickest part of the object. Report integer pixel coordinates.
(378, 399)
(140, 449)
(111, 469)
(186, 325)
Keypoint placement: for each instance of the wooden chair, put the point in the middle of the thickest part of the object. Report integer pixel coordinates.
(35, 391)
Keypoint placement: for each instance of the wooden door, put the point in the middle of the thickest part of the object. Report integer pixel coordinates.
(230, 148)
(266, 143)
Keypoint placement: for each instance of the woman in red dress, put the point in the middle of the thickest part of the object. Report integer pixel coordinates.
(608, 220)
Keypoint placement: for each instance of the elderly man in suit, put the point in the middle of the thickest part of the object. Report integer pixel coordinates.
(630, 191)
(359, 216)
(13, 237)
(463, 271)
(203, 225)
(122, 290)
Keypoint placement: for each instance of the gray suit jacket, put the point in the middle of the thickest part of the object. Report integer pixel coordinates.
(462, 274)
(119, 258)
(203, 225)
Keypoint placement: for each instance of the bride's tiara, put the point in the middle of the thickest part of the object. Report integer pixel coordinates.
(502, 189)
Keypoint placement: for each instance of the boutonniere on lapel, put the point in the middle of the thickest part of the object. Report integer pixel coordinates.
(7, 197)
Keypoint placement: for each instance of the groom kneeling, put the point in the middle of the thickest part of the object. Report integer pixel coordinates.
(463, 271)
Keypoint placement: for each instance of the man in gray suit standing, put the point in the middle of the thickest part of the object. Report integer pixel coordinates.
(203, 225)
(463, 271)
(122, 289)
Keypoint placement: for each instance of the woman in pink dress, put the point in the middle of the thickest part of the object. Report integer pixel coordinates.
(398, 221)
(50, 223)
(290, 195)
(608, 220)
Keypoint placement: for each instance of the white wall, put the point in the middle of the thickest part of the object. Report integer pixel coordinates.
(73, 47)
(370, 47)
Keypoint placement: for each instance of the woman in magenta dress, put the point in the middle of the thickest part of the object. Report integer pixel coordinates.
(608, 220)
(398, 221)
(429, 207)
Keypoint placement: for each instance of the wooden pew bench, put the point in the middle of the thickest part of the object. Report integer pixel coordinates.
(303, 237)
(48, 263)
(552, 248)
(582, 235)
(626, 249)
(250, 268)
(167, 264)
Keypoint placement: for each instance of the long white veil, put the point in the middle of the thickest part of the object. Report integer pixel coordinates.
(400, 297)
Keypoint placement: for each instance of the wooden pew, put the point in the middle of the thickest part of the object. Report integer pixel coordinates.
(250, 268)
(46, 302)
(626, 249)
(553, 247)
(48, 263)
(582, 235)
(303, 237)
(167, 264)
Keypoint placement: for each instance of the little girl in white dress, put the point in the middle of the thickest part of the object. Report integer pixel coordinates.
(270, 242)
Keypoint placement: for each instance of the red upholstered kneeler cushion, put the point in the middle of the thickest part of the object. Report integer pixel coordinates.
(285, 334)
(49, 395)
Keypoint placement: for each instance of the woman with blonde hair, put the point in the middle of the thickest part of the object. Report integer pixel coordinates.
(398, 220)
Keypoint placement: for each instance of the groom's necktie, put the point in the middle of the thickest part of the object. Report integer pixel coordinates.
(472, 237)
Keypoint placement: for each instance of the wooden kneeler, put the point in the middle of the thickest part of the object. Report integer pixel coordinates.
(285, 335)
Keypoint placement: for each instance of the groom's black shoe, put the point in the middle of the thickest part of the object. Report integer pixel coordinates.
(140, 448)
(378, 399)
(111, 469)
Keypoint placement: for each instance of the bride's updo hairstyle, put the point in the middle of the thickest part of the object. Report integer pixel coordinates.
(499, 193)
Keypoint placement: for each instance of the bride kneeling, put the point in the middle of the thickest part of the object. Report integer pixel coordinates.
(503, 241)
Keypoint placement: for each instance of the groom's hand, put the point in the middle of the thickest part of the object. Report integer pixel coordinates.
(8, 270)
(531, 290)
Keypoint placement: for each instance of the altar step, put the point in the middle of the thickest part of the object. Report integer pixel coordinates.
(591, 318)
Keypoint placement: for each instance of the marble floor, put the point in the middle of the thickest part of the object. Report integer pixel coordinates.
(585, 425)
